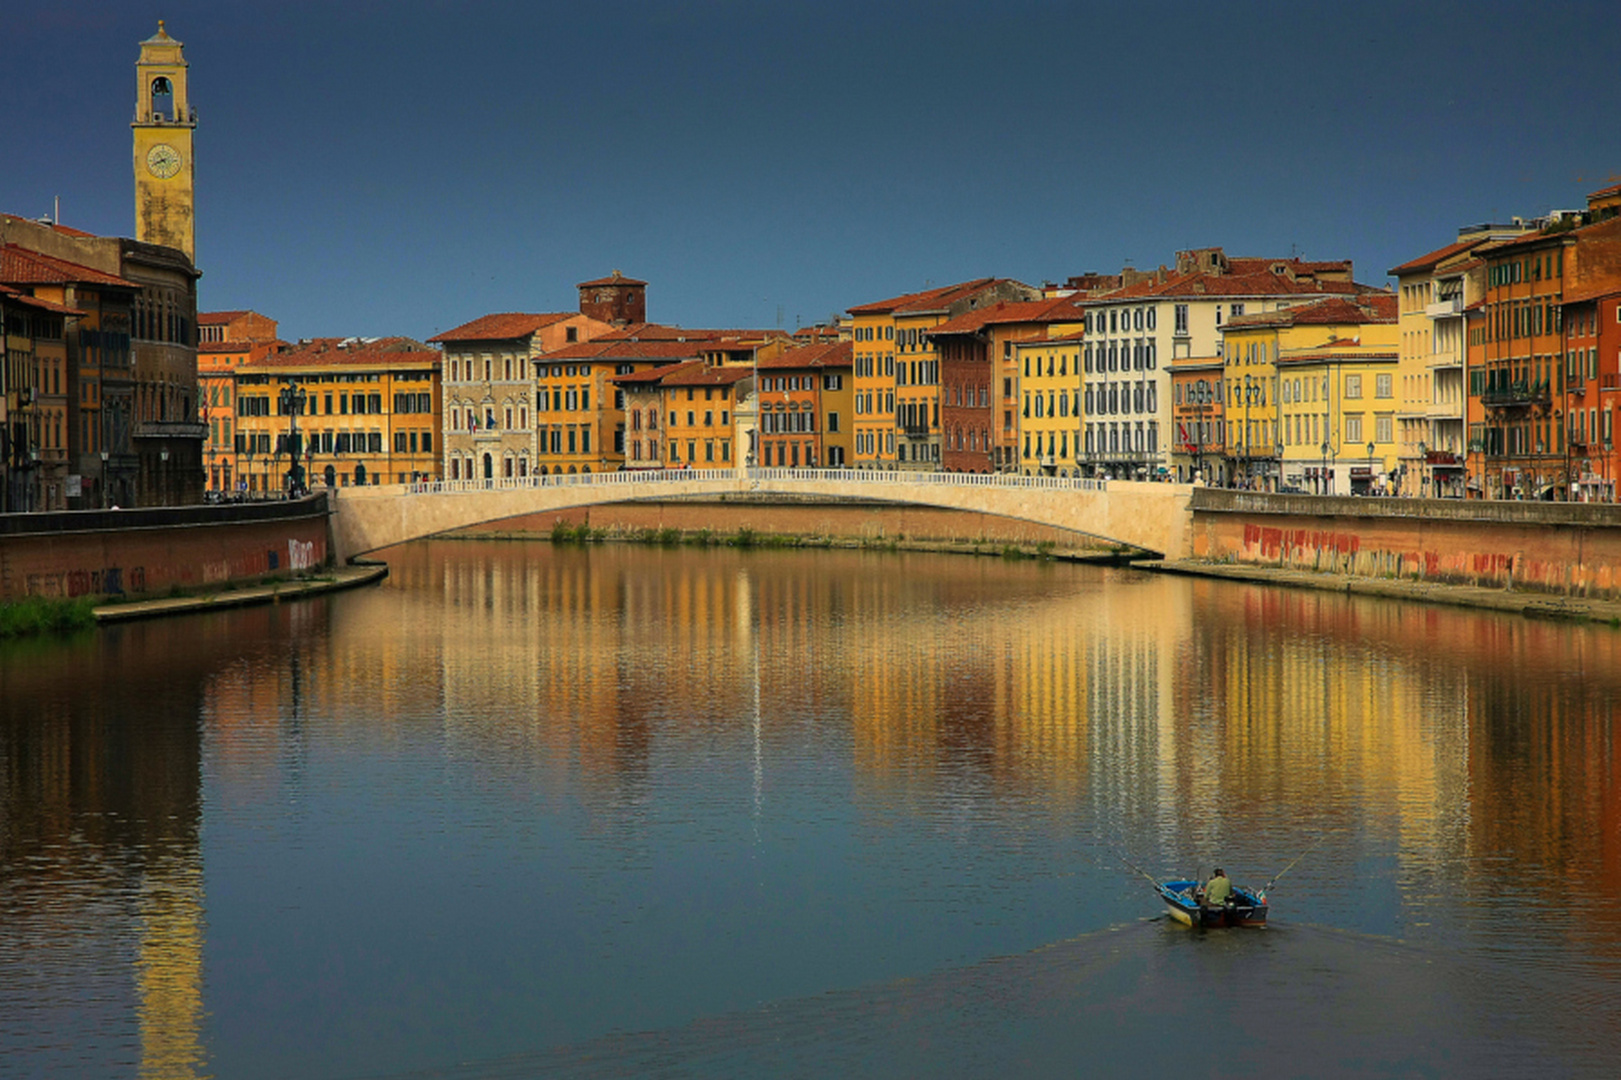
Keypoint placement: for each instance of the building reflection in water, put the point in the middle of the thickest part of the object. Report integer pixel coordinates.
(1214, 720)
(101, 878)
(1210, 715)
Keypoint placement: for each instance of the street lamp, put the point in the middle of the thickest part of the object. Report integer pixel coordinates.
(293, 399)
(1370, 468)
(1324, 478)
(1423, 468)
(104, 456)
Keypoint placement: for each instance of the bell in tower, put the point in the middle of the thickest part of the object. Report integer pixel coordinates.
(163, 126)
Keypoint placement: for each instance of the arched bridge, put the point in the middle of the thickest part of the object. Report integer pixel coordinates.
(1152, 517)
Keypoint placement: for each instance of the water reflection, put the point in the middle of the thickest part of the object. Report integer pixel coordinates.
(524, 796)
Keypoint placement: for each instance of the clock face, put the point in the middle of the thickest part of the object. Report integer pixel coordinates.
(163, 161)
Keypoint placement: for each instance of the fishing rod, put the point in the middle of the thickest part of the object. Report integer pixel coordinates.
(1152, 880)
(1291, 866)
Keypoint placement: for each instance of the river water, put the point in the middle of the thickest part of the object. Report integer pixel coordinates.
(609, 811)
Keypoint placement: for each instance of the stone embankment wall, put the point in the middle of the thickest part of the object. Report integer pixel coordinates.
(1560, 548)
(785, 516)
(147, 551)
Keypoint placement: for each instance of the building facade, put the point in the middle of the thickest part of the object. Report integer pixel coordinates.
(804, 397)
(897, 370)
(338, 413)
(1158, 317)
(227, 340)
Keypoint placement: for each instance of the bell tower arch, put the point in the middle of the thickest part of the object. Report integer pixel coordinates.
(163, 127)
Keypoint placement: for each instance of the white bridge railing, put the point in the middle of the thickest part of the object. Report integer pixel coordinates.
(875, 478)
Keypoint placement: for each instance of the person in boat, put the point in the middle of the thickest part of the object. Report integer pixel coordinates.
(1219, 889)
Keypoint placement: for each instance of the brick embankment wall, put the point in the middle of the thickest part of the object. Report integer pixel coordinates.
(877, 521)
(146, 551)
(1557, 548)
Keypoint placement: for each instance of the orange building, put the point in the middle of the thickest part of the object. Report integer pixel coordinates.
(70, 440)
(368, 413)
(979, 405)
(226, 341)
(896, 370)
(1526, 392)
(700, 406)
(581, 406)
(1198, 418)
(804, 407)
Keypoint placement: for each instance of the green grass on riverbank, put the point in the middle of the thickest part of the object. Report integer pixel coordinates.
(38, 615)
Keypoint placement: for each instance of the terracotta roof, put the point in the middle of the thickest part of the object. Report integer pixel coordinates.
(1434, 258)
(648, 331)
(616, 278)
(1225, 285)
(504, 326)
(654, 375)
(330, 352)
(1366, 309)
(23, 267)
(216, 318)
(1598, 290)
(244, 345)
(65, 230)
(923, 300)
(827, 354)
(705, 375)
(17, 296)
(1062, 309)
(1256, 264)
(1079, 335)
(657, 349)
(1613, 189)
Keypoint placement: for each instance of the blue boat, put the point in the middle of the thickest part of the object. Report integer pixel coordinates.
(1244, 907)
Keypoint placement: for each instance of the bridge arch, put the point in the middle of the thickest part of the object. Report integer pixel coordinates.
(1154, 518)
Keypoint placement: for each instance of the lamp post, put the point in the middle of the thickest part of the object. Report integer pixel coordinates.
(104, 493)
(1328, 487)
(1423, 469)
(163, 476)
(1370, 468)
(247, 473)
(293, 399)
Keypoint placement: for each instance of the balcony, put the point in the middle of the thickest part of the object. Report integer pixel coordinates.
(1442, 309)
(1101, 456)
(1517, 393)
(170, 429)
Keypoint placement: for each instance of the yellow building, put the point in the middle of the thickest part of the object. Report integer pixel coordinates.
(896, 370)
(1050, 415)
(164, 122)
(1258, 446)
(368, 414)
(700, 405)
(1338, 406)
(1436, 291)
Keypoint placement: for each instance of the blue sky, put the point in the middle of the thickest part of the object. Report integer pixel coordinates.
(382, 168)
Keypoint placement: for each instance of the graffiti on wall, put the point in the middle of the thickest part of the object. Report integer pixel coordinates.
(106, 581)
(301, 555)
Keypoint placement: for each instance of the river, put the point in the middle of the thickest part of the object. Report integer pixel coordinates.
(566, 811)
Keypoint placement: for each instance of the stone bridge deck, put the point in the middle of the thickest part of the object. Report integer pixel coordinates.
(1151, 517)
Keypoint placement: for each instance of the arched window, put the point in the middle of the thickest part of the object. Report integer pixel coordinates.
(163, 99)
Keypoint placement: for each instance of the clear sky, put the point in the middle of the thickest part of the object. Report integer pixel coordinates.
(399, 168)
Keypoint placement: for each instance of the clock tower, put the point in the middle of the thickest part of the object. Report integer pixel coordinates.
(164, 122)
